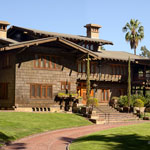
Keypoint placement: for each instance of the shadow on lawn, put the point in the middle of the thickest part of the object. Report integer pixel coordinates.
(4, 139)
(119, 142)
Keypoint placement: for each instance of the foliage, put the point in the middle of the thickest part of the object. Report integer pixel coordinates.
(63, 95)
(15, 125)
(145, 52)
(88, 80)
(123, 101)
(135, 33)
(138, 103)
(67, 95)
(130, 137)
(115, 98)
(129, 82)
(92, 102)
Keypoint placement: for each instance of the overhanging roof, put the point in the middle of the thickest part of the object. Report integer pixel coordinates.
(66, 36)
(46, 40)
(119, 55)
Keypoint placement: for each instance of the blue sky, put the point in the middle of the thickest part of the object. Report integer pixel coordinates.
(69, 16)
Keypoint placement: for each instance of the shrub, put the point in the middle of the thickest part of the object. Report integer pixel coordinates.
(135, 97)
(92, 102)
(147, 102)
(138, 103)
(123, 101)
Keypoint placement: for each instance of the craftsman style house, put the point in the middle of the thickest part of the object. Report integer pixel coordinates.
(36, 65)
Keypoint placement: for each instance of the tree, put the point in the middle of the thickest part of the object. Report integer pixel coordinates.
(129, 81)
(135, 33)
(145, 52)
(88, 80)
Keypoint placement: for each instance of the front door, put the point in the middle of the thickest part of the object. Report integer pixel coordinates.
(82, 92)
(104, 95)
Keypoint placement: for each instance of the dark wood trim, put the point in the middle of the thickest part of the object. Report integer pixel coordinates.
(41, 87)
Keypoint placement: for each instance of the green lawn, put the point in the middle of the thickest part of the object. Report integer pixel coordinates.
(133, 137)
(147, 114)
(15, 125)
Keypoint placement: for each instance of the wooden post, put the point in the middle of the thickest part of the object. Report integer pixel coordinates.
(129, 82)
(88, 81)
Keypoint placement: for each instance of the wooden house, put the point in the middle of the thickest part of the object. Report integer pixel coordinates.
(36, 65)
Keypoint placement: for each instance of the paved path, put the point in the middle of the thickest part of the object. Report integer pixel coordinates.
(59, 139)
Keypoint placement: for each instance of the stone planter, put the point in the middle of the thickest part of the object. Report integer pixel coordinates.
(138, 110)
(142, 109)
(85, 110)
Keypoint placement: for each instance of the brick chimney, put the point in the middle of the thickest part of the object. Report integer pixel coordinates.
(3, 29)
(93, 30)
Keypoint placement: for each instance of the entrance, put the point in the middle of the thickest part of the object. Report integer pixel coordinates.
(82, 92)
(104, 95)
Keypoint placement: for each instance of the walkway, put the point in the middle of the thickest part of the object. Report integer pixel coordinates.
(59, 139)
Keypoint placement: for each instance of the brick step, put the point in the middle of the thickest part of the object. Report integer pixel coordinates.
(117, 116)
(120, 118)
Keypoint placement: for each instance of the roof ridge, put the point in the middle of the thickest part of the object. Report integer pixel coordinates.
(71, 36)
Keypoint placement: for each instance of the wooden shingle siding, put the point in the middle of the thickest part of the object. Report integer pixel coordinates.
(27, 75)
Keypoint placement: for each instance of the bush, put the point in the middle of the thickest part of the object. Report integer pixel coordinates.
(92, 102)
(138, 103)
(135, 97)
(147, 102)
(123, 101)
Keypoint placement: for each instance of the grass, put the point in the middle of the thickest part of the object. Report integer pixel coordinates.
(131, 137)
(15, 125)
(147, 114)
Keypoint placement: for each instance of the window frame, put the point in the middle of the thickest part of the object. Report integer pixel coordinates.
(38, 58)
(46, 86)
(65, 83)
(103, 95)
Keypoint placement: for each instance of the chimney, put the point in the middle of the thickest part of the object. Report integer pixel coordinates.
(3, 29)
(93, 30)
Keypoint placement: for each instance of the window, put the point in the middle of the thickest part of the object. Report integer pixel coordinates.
(47, 62)
(92, 47)
(105, 95)
(65, 85)
(94, 67)
(119, 69)
(3, 90)
(5, 61)
(140, 73)
(40, 91)
(82, 67)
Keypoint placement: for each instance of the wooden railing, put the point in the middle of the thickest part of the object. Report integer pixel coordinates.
(103, 77)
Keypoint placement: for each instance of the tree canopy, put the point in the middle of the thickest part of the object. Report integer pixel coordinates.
(134, 33)
(145, 52)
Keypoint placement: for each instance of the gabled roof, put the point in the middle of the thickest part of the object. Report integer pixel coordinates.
(119, 55)
(46, 40)
(8, 40)
(66, 36)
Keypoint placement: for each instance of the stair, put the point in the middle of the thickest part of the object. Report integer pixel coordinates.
(106, 114)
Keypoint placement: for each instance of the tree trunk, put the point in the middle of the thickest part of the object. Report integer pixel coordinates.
(135, 51)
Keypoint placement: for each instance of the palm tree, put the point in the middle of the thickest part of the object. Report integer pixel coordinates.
(135, 33)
